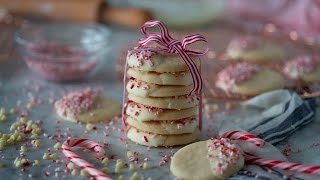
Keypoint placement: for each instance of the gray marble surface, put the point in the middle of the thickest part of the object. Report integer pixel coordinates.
(17, 83)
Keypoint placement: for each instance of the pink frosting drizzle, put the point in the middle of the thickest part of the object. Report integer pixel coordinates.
(302, 64)
(227, 153)
(245, 43)
(234, 74)
(78, 101)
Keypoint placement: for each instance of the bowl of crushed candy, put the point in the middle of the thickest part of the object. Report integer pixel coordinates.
(63, 52)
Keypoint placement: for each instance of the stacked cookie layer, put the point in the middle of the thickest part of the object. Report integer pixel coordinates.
(159, 112)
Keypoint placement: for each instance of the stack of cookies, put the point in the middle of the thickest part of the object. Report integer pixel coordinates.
(159, 111)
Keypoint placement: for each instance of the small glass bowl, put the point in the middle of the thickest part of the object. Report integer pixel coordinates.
(62, 52)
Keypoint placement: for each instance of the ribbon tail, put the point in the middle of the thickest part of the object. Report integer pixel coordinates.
(195, 73)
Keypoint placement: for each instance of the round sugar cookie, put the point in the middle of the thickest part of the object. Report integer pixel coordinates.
(254, 50)
(313, 77)
(305, 68)
(148, 113)
(144, 89)
(179, 78)
(86, 106)
(148, 59)
(264, 81)
(178, 102)
(248, 79)
(156, 140)
(201, 160)
(181, 126)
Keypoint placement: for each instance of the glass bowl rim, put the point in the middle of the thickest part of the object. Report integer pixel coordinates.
(102, 30)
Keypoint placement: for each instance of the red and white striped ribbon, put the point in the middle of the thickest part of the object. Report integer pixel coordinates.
(277, 164)
(171, 45)
(75, 142)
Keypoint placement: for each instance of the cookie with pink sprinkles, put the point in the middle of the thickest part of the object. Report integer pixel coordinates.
(216, 158)
(248, 79)
(253, 49)
(305, 68)
(86, 105)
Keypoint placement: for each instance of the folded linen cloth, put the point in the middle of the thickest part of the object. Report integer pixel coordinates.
(272, 116)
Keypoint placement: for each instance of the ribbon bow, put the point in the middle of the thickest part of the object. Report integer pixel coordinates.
(174, 46)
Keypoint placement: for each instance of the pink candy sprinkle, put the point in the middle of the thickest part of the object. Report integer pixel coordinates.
(233, 74)
(58, 62)
(145, 139)
(302, 64)
(164, 160)
(78, 101)
(228, 153)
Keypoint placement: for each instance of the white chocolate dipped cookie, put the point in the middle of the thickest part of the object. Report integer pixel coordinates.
(148, 113)
(178, 102)
(177, 78)
(149, 59)
(156, 140)
(253, 49)
(86, 106)
(207, 160)
(181, 126)
(144, 89)
(249, 79)
(305, 68)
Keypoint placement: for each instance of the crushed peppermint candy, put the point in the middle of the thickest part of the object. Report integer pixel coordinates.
(154, 110)
(139, 84)
(223, 151)
(143, 55)
(245, 43)
(78, 101)
(164, 160)
(301, 64)
(237, 73)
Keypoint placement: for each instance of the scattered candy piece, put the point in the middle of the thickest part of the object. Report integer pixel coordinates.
(36, 163)
(53, 156)
(131, 167)
(45, 156)
(75, 172)
(104, 170)
(135, 176)
(57, 146)
(13, 111)
(29, 106)
(145, 166)
(23, 148)
(105, 161)
(119, 165)
(89, 126)
(36, 143)
(121, 177)
(70, 166)
(84, 172)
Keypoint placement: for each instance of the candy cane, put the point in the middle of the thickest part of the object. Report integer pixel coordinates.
(283, 165)
(276, 164)
(75, 142)
(241, 135)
